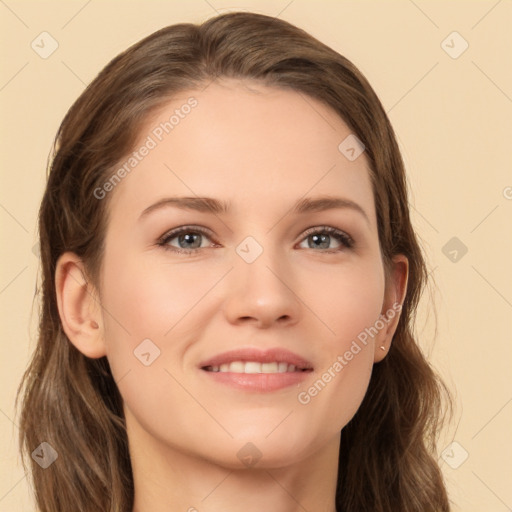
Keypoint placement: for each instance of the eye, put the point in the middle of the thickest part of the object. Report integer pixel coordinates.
(188, 239)
(321, 237)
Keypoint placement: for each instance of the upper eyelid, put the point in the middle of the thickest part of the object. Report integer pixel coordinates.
(326, 228)
(176, 231)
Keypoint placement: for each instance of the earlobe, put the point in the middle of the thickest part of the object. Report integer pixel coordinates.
(396, 290)
(79, 308)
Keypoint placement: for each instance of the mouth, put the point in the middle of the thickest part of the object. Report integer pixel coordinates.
(257, 370)
(255, 367)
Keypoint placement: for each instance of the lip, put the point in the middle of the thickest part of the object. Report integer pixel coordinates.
(279, 355)
(258, 382)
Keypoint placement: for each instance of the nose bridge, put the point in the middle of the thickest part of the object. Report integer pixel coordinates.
(262, 284)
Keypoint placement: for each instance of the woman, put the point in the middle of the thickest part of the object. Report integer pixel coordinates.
(229, 281)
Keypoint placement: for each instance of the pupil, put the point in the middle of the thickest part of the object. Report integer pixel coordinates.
(188, 238)
(323, 239)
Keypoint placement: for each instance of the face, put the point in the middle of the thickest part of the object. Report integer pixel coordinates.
(275, 279)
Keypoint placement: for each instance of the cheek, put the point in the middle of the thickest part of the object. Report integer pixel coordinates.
(145, 318)
(349, 302)
(140, 304)
(149, 302)
(351, 308)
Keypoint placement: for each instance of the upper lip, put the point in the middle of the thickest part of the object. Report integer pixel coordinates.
(279, 355)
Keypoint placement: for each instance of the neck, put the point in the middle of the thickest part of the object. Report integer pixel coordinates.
(169, 480)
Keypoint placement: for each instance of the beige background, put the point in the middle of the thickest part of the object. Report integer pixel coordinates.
(453, 119)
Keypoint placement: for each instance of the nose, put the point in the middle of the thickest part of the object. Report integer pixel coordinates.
(262, 293)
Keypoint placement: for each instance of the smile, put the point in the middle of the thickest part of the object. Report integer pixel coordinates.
(255, 367)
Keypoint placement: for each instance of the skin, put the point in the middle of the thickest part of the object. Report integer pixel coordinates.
(261, 149)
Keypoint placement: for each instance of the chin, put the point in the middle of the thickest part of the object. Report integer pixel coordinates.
(265, 449)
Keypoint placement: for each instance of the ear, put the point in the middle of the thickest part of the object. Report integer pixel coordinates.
(79, 306)
(394, 296)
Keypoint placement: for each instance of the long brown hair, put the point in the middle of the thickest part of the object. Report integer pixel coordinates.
(387, 457)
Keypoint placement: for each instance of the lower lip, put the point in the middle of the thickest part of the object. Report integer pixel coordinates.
(260, 382)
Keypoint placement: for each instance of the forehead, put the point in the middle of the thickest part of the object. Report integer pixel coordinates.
(244, 143)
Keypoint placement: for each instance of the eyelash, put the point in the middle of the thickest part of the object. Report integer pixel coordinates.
(340, 236)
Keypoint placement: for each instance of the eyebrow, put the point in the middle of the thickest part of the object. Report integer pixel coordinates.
(211, 205)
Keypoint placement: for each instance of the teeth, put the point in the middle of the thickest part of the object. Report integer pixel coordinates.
(254, 367)
(269, 367)
(283, 367)
(251, 367)
(235, 366)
